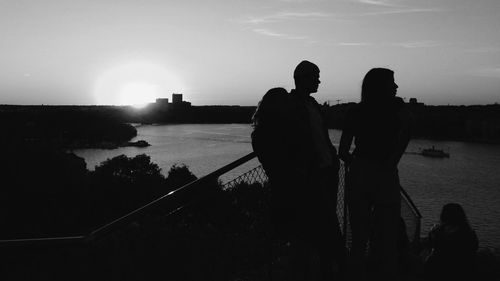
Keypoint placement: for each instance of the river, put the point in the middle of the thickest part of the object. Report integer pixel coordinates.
(471, 176)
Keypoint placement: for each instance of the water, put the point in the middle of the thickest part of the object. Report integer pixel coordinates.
(471, 176)
(203, 148)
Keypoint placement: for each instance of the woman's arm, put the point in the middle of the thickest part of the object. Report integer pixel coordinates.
(403, 138)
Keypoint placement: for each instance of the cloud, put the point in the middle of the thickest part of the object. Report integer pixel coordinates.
(394, 7)
(403, 11)
(284, 16)
(492, 49)
(385, 3)
(417, 44)
(267, 32)
(261, 22)
(354, 44)
(492, 72)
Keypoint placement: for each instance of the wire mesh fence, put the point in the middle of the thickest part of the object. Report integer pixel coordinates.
(218, 237)
(409, 213)
(256, 174)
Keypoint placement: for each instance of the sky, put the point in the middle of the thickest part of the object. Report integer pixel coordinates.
(85, 52)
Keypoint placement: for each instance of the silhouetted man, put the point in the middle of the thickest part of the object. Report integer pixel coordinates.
(317, 164)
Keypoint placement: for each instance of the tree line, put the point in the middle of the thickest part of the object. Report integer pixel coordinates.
(475, 123)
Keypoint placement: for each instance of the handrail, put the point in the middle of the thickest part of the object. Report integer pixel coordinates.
(416, 212)
(177, 198)
(43, 241)
(173, 201)
(412, 204)
(175, 194)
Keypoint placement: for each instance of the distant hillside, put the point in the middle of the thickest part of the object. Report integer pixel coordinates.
(191, 114)
(64, 126)
(475, 123)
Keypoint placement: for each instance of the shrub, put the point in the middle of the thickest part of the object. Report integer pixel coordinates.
(179, 175)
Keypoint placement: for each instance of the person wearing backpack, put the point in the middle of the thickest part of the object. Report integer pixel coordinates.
(292, 143)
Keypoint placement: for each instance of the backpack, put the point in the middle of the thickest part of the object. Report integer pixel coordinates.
(258, 143)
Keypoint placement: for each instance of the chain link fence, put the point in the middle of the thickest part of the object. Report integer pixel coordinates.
(409, 212)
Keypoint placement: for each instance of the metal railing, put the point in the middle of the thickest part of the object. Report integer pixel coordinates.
(185, 195)
(409, 211)
(170, 202)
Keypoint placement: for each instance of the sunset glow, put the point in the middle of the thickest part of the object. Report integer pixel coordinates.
(138, 95)
(85, 52)
(135, 84)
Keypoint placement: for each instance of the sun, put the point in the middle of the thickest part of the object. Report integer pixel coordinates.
(138, 95)
(135, 84)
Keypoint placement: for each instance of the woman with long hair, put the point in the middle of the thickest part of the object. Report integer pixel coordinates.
(379, 128)
(453, 246)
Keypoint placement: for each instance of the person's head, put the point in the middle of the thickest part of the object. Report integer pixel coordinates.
(272, 105)
(453, 214)
(378, 86)
(306, 76)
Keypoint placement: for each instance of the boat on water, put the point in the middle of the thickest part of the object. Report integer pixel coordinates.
(434, 152)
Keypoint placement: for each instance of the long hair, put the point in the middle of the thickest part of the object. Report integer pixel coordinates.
(454, 214)
(375, 84)
(266, 108)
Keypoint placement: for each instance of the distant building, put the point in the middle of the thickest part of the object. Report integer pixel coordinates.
(162, 101)
(176, 101)
(176, 98)
(413, 101)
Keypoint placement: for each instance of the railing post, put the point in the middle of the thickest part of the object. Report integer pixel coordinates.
(345, 219)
